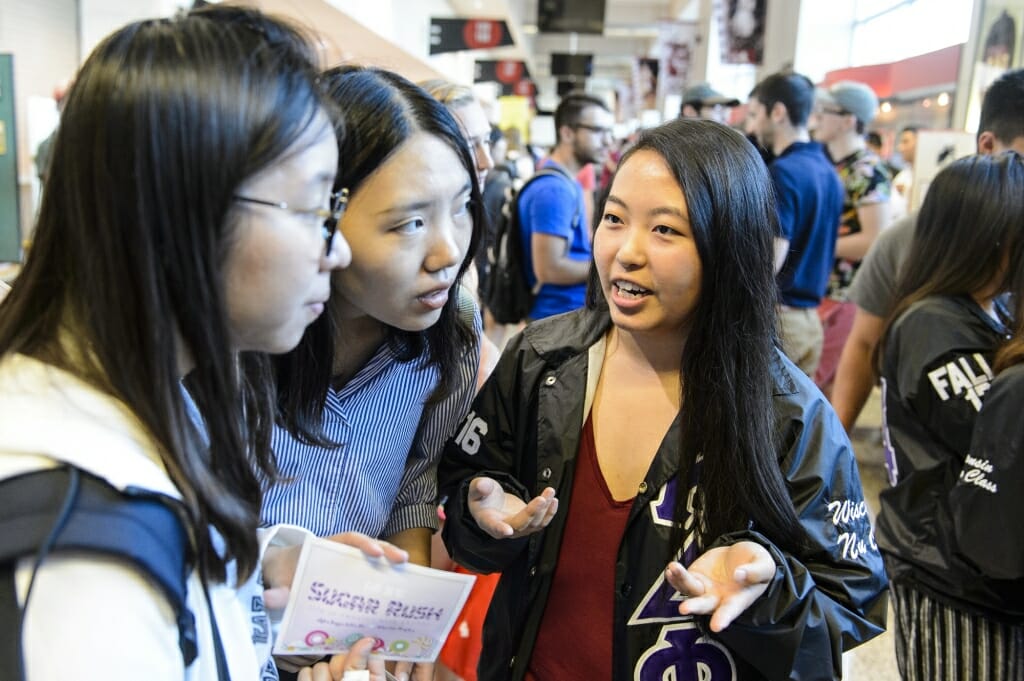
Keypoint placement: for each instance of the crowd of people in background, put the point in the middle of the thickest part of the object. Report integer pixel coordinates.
(272, 323)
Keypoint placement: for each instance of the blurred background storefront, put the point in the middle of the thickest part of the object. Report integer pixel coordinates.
(928, 60)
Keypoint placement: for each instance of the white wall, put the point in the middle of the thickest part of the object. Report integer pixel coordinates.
(377, 15)
(407, 24)
(100, 18)
(780, 35)
(827, 39)
(825, 33)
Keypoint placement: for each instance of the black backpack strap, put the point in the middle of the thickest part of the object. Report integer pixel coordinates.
(557, 171)
(223, 674)
(11, 666)
(142, 529)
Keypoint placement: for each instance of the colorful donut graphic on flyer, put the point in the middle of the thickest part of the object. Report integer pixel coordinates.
(317, 638)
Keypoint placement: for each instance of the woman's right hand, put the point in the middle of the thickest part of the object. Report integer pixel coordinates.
(356, 659)
(505, 516)
(279, 563)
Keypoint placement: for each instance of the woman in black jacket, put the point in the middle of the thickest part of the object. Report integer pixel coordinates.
(986, 503)
(657, 445)
(936, 356)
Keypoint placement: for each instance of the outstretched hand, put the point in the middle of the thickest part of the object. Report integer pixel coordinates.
(505, 516)
(723, 582)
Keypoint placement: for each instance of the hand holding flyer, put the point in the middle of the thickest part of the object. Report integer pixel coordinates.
(340, 595)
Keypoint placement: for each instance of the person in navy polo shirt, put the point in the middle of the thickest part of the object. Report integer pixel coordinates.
(809, 199)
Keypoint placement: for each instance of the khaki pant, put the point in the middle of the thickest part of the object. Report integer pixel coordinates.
(802, 336)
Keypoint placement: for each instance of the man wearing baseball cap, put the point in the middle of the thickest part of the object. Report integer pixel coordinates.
(1000, 128)
(845, 112)
(703, 101)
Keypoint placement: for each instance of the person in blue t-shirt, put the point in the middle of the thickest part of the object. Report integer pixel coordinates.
(809, 200)
(556, 236)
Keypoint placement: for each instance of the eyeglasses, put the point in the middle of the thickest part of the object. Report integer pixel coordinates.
(479, 143)
(835, 112)
(596, 129)
(330, 216)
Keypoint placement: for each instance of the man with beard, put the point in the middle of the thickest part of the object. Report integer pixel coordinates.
(556, 236)
(809, 200)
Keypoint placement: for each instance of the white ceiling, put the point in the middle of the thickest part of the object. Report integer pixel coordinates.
(631, 29)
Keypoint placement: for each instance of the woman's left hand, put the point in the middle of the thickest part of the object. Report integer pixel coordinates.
(723, 582)
(421, 671)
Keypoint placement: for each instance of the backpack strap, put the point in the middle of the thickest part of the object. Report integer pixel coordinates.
(140, 528)
(220, 657)
(11, 666)
(557, 171)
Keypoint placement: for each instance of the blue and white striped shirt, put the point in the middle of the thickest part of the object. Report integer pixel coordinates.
(383, 478)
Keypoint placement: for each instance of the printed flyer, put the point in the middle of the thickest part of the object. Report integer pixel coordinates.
(341, 595)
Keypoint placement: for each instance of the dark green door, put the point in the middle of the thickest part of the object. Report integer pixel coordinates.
(10, 236)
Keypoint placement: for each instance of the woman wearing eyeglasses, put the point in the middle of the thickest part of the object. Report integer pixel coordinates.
(379, 383)
(185, 230)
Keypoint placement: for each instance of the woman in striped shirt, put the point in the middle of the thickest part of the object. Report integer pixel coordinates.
(381, 380)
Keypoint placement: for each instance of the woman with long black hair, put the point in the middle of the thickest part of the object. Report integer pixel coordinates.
(188, 227)
(663, 492)
(936, 359)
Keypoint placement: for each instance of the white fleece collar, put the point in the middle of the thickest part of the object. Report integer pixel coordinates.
(48, 416)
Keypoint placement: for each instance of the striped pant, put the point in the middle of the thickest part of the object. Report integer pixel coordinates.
(935, 642)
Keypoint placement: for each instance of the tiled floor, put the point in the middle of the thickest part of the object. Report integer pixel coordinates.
(875, 660)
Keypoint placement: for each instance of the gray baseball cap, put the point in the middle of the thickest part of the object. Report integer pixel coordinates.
(702, 94)
(856, 98)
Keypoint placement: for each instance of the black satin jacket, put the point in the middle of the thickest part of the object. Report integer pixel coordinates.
(524, 431)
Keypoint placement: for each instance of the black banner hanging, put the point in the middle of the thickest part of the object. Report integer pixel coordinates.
(454, 35)
(570, 16)
(513, 76)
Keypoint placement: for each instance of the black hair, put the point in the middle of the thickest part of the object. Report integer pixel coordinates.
(1002, 109)
(382, 110)
(1001, 41)
(166, 119)
(570, 110)
(912, 128)
(873, 138)
(971, 220)
(792, 90)
(729, 353)
(496, 135)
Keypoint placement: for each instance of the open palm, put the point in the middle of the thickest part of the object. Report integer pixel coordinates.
(504, 515)
(723, 582)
